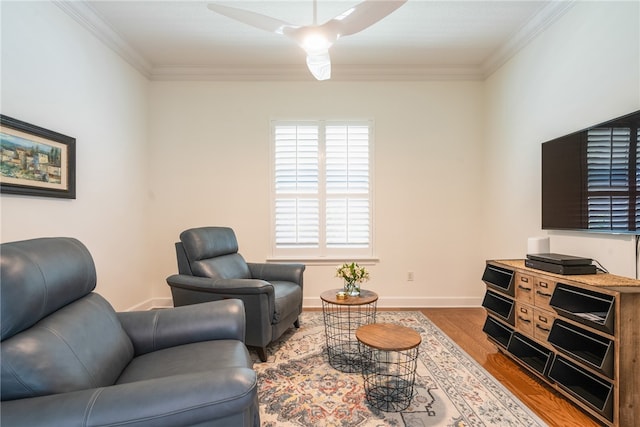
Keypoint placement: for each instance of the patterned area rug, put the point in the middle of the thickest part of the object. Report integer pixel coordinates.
(298, 387)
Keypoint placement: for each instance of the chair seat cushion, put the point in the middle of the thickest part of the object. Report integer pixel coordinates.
(287, 299)
(187, 359)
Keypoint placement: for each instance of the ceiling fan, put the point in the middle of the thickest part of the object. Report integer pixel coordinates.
(316, 39)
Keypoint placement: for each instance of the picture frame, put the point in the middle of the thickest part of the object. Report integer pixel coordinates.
(35, 161)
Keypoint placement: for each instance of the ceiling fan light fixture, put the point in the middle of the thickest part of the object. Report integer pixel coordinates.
(319, 65)
(316, 43)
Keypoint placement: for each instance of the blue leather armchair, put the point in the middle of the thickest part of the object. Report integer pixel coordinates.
(210, 268)
(68, 359)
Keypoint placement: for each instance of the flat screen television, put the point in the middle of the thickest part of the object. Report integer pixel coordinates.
(591, 178)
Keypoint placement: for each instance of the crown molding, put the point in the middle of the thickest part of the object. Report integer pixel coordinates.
(230, 73)
(82, 12)
(86, 16)
(300, 73)
(541, 21)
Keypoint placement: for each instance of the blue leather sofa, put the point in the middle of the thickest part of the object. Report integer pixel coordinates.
(68, 359)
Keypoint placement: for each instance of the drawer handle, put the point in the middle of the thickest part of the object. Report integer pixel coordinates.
(542, 294)
(524, 320)
(523, 288)
(542, 329)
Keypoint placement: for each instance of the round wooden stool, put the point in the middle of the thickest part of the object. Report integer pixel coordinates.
(389, 354)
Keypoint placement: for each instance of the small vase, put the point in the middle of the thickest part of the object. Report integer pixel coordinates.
(352, 288)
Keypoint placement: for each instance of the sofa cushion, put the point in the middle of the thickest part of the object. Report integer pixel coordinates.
(187, 359)
(84, 344)
(208, 242)
(223, 267)
(44, 275)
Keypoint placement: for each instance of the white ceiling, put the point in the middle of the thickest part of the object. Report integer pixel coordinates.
(422, 39)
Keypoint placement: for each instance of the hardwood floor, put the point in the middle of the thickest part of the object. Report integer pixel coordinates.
(464, 326)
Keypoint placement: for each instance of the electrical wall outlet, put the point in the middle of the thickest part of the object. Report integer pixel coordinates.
(410, 276)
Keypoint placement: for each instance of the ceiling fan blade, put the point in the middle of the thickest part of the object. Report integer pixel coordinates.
(319, 65)
(361, 16)
(256, 20)
(316, 39)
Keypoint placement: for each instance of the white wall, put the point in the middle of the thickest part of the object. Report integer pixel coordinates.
(57, 76)
(210, 166)
(583, 70)
(457, 164)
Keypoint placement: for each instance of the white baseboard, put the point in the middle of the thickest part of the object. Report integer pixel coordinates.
(315, 302)
(410, 302)
(152, 303)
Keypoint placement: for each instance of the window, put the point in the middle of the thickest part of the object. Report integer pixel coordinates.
(321, 189)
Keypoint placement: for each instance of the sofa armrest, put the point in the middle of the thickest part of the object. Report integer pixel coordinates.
(221, 286)
(179, 400)
(258, 297)
(157, 329)
(277, 272)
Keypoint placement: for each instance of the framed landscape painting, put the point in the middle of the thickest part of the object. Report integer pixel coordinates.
(35, 161)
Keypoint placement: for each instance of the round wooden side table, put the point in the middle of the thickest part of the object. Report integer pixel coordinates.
(389, 360)
(342, 317)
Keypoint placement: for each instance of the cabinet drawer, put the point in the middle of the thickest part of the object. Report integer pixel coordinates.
(589, 389)
(594, 350)
(524, 319)
(499, 305)
(499, 278)
(543, 290)
(542, 322)
(524, 288)
(594, 309)
(532, 354)
(498, 332)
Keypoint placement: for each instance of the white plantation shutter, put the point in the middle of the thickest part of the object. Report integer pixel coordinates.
(322, 189)
(347, 175)
(609, 160)
(296, 159)
(296, 185)
(297, 222)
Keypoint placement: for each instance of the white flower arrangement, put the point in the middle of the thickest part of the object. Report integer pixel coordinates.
(352, 273)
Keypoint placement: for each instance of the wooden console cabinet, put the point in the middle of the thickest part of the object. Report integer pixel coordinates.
(580, 334)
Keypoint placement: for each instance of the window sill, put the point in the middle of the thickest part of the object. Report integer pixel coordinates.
(325, 261)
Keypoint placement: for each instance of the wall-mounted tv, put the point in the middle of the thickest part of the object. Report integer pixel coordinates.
(591, 178)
